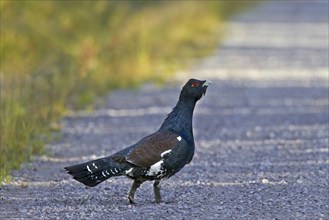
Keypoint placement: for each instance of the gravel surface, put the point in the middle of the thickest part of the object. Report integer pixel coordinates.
(261, 134)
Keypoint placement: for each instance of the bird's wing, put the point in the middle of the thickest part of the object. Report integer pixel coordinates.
(148, 151)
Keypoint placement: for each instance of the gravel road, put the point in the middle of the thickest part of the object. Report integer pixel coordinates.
(261, 134)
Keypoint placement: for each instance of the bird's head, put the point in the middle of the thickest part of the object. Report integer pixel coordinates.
(194, 89)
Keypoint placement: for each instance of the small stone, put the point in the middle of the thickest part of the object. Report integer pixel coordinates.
(265, 181)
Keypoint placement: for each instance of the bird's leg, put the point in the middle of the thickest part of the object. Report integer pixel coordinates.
(156, 188)
(131, 195)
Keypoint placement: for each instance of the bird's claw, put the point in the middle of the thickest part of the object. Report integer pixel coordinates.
(131, 200)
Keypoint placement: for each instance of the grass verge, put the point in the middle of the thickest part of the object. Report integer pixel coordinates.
(57, 55)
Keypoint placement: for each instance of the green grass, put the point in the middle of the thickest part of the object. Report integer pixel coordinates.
(59, 55)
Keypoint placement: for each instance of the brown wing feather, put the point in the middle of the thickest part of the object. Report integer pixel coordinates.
(119, 158)
(148, 150)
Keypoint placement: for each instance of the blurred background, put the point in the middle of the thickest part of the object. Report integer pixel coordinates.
(60, 55)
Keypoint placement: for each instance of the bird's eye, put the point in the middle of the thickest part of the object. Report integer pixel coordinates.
(195, 84)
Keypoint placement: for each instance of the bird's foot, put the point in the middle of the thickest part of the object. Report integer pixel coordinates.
(158, 201)
(131, 199)
(156, 188)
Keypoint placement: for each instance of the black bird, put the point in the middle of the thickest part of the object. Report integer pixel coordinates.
(157, 156)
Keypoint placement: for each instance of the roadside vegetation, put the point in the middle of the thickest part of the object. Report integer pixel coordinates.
(59, 55)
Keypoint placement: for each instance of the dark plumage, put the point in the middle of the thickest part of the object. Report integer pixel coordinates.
(157, 156)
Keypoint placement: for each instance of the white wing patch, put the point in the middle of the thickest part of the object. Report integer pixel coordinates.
(128, 171)
(165, 152)
(155, 169)
(179, 138)
(104, 175)
(89, 170)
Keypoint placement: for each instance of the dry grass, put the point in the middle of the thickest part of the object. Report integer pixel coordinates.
(57, 55)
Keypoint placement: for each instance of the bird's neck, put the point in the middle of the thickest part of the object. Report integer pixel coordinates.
(180, 119)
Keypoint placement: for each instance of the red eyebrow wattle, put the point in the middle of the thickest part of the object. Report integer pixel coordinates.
(195, 84)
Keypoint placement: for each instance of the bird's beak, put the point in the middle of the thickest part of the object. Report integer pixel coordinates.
(206, 83)
(205, 86)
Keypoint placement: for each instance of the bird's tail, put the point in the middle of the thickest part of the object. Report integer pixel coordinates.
(96, 171)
